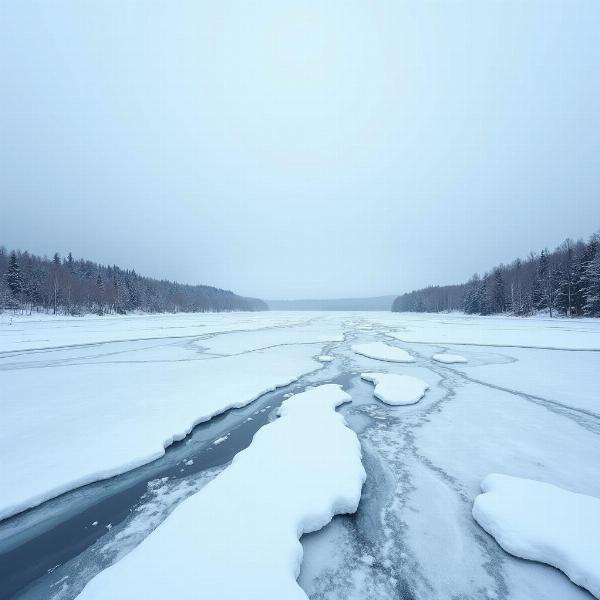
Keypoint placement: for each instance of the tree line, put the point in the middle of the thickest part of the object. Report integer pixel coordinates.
(30, 283)
(563, 282)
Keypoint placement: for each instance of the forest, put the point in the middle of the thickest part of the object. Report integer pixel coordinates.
(563, 282)
(30, 283)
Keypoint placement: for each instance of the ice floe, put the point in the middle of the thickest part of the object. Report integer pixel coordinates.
(382, 351)
(396, 389)
(543, 522)
(240, 533)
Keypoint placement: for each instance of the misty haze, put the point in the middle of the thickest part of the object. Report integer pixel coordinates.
(299, 300)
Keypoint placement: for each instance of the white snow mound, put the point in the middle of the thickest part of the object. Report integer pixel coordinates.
(449, 359)
(382, 351)
(239, 536)
(542, 522)
(396, 389)
(324, 358)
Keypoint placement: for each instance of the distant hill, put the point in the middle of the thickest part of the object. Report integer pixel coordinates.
(375, 303)
(76, 286)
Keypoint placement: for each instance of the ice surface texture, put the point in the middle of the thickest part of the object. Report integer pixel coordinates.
(381, 351)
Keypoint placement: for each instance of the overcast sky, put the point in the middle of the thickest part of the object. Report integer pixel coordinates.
(299, 149)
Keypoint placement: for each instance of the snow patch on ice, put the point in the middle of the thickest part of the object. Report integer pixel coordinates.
(542, 522)
(324, 358)
(396, 389)
(449, 359)
(382, 351)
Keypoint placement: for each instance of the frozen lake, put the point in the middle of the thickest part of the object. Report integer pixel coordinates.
(108, 424)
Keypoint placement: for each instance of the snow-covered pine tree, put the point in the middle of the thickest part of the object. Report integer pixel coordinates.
(99, 293)
(498, 292)
(591, 307)
(14, 277)
(70, 263)
(581, 279)
(565, 279)
(471, 302)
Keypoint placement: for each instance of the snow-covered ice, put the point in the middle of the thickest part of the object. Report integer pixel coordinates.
(509, 332)
(396, 389)
(382, 351)
(448, 358)
(244, 341)
(298, 472)
(77, 414)
(543, 522)
(76, 394)
(565, 377)
(43, 332)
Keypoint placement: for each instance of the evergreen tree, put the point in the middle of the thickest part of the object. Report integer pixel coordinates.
(471, 303)
(539, 283)
(14, 278)
(99, 293)
(581, 276)
(499, 292)
(566, 281)
(591, 307)
(544, 284)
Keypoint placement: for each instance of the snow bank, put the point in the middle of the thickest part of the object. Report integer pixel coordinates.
(396, 389)
(449, 359)
(239, 536)
(324, 358)
(381, 351)
(542, 522)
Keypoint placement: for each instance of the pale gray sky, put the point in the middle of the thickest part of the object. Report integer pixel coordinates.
(299, 149)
